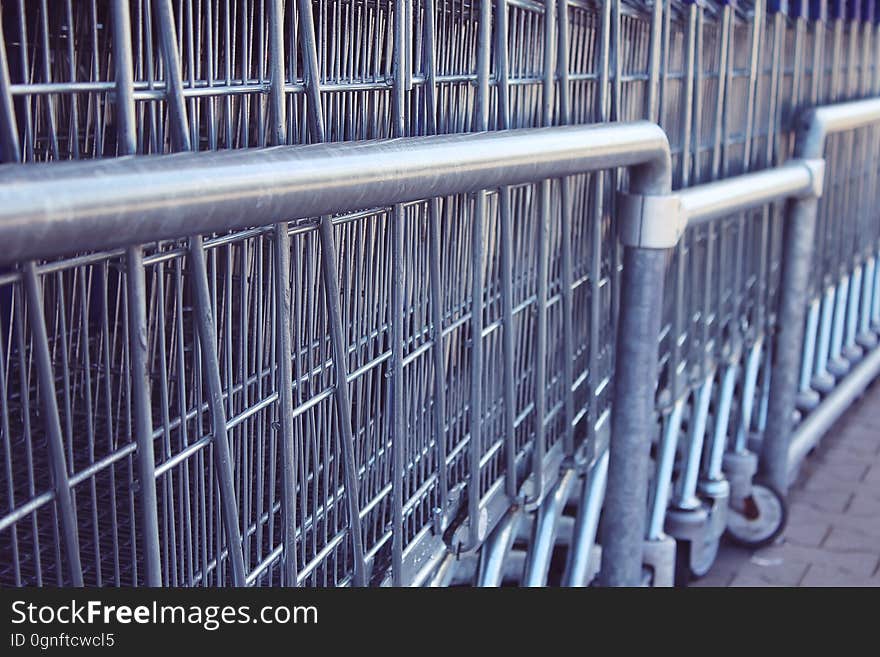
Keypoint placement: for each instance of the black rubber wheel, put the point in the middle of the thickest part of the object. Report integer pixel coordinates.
(682, 564)
(760, 520)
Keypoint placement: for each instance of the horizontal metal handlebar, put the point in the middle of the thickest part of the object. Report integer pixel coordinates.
(780, 453)
(795, 179)
(817, 123)
(48, 210)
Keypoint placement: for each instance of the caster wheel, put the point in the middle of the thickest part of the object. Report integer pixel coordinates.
(694, 559)
(759, 519)
(703, 555)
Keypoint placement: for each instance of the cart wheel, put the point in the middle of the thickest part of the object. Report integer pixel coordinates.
(703, 555)
(694, 559)
(682, 564)
(759, 520)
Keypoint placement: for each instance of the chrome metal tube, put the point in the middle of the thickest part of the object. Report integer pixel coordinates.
(113, 203)
(751, 190)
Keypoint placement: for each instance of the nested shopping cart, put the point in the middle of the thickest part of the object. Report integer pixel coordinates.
(501, 331)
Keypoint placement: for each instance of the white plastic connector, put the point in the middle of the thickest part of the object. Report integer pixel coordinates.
(816, 167)
(650, 222)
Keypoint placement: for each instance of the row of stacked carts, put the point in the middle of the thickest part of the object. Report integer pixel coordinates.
(451, 361)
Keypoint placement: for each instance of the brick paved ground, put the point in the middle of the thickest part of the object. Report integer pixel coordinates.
(833, 534)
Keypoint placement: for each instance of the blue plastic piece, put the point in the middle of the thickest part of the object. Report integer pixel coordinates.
(777, 7)
(853, 10)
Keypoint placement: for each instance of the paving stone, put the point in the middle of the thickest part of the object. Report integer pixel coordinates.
(847, 473)
(800, 514)
(714, 580)
(865, 505)
(818, 575)
(847, 540)
(859, 563)
(860, 437)
(868, 491)
(726, 566)
(751, 580)
(774, 569)
(872, 478)
(838, 457)
(826, 500)
(833, 532)
(820, 482)
(810, 533)
(866, 420)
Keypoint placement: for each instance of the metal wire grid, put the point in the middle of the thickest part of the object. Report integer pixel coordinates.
(842, 284)
(232, 111)
(768, 77)
(724, 282)
(254, 405)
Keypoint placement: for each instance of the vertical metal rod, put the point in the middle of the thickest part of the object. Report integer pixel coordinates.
(822, 379)
(755, 33)
(436, 279)
(173, 76)
(796, 264)
(141, 400)
(542, 274)
(875, 303)
(276, 72)
(565, 228)
(586, 524)
(124, 73)
(399, 65)
(850, 349)
(284, 373)
(505, 264)
(715, 458)
(694, 144)
(809, 355)
(680, 333)
(544, 531)
(721, 96)
(311, 73)
(866, 336)
(138, 340)
(204, 318)
(490, 572)
(398, 271)
(652, 112)
(632, 417)
(436, 291)
(663, 477)
(11, 150)
(596, 237)
(343, 403)
(475, 407)
(57, 462)
(747, 403)
(685, 497)
(429, 50)
(285, 403)
(838, 365)
(398, 390)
